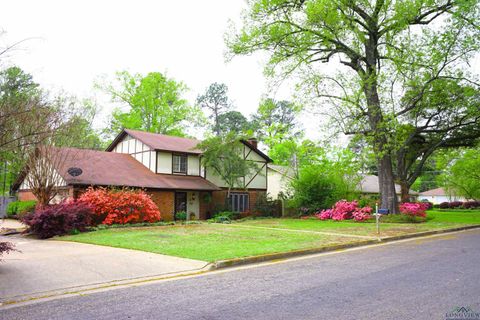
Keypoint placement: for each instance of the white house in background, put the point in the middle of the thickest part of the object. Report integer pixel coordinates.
(369, 186)
(438, 195)
(278, 179)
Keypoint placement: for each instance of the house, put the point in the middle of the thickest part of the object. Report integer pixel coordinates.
(438, 195)
(368, 186)
(168, 168)
(279, 178)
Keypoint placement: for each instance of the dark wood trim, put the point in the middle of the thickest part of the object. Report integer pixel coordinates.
(142, 188)
(174, 151)
(186, 163)
(260, 153)
(246, 156)
(116, 140)
(256, 174)
(242, 190)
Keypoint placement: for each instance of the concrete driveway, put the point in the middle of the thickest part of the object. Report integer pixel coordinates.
(48, 266)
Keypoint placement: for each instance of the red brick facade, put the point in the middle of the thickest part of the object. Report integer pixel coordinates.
(210, 202)
(165, 200)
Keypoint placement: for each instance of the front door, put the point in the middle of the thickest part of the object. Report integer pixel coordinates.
(180, 202)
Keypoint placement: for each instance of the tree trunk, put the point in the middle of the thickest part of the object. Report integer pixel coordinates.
(405, 191)
(386, 183)
(380, 143)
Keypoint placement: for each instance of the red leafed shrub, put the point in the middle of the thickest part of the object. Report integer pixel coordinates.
(413, 209)
(343, 210)
(120, 207)
(443, 205)
(59, 219)
(6, 247)
(471, 204)
(455, 204)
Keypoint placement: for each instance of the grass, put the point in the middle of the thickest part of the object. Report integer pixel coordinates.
(436, 220)
(207, 242)
(211, 242)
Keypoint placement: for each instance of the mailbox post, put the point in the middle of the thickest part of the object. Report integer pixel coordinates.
(378, 214)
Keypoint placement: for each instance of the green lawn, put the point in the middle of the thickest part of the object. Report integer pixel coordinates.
(211, 242)
(437, 220)
(207, 242)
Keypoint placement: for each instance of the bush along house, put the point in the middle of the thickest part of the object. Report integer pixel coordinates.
(169, 168)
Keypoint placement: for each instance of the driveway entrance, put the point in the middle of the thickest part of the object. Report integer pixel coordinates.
(51, 265)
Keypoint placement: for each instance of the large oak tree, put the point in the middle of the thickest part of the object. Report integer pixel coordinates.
(389, 57)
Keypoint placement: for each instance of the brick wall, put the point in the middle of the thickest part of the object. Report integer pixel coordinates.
(165, 200)
(218, 198)
(26, 196)
(205, 205)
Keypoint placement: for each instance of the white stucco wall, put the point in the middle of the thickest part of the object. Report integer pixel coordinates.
(57, 178)
(277, 183)
(193, 165)
(193, 204)
(259, 180)
(164, 162)
(137, 149)
(440, 199)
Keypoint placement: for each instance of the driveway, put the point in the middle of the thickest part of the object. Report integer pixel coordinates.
(45, 266)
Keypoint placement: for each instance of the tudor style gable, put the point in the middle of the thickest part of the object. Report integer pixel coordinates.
(170, 155)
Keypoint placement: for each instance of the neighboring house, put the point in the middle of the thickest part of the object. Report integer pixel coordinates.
(279, 178)
(369, 186)
(437, 196)
(168, 168)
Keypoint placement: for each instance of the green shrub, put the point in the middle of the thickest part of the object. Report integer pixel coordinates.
(402, 218)
(265, 206)
(20, 208)
(225, 217)
(320, 186)
(181, 216)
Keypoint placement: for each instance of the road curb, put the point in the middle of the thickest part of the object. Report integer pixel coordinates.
(285, 255)
(13, 301)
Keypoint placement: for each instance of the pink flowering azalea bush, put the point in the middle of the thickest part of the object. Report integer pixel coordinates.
(413, 209)
(345, 210)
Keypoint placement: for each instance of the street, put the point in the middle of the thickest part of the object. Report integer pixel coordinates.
(417, 279)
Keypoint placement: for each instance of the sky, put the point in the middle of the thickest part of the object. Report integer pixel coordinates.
(70, 45)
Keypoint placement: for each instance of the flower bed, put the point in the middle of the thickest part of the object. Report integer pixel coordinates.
(345, 210)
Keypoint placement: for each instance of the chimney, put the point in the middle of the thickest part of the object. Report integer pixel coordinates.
(253, 142)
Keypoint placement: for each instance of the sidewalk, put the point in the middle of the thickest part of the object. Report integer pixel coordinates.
(10, 224)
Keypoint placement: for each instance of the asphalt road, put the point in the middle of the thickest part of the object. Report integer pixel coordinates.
(418, 279)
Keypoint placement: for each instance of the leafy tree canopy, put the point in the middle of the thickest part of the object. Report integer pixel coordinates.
(233, 121)
(156, 104)
(276, 121)
(215, 100)
(394, 61)
(463, 177)
(233, 166)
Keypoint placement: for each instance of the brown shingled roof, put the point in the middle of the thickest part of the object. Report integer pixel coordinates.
(434, 192)
(369, 184)
(160, 141)
(117, 169)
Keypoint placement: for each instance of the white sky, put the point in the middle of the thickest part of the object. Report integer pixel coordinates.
(75, 43)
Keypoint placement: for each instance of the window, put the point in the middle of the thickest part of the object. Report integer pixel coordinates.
(180, 163)
(239, 202)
